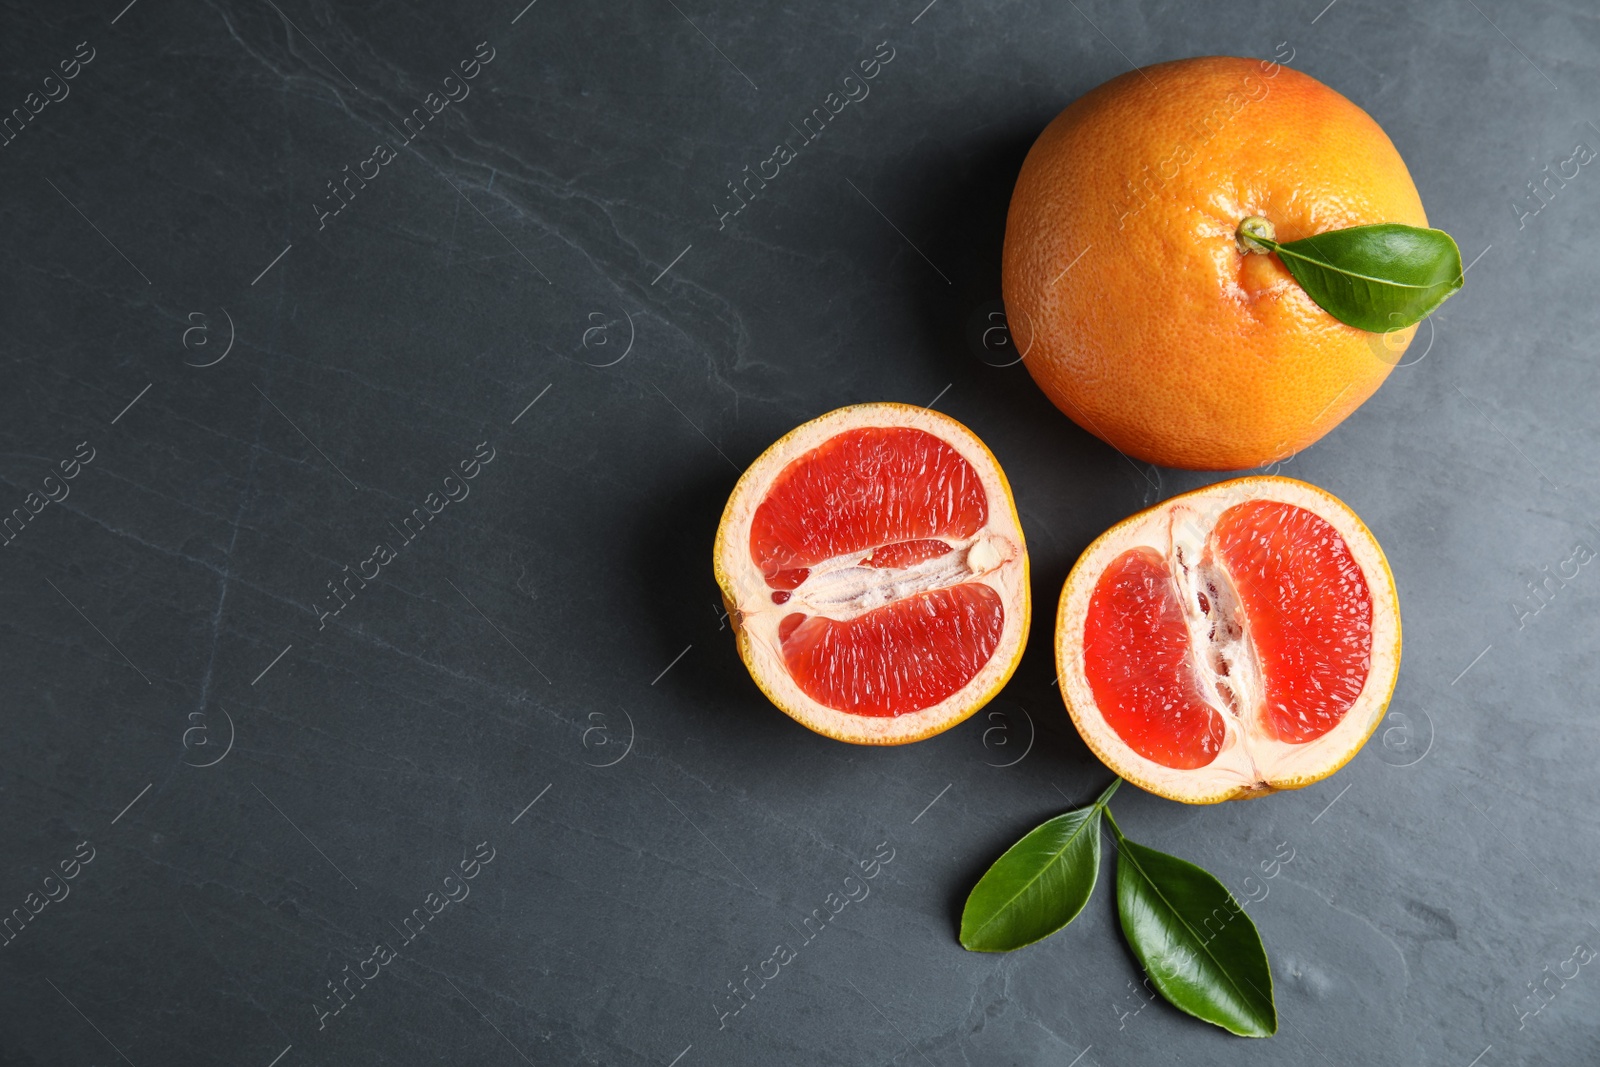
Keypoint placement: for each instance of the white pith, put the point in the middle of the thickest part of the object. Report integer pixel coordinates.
(1250, 761)
(842, 588)
(1220, 644)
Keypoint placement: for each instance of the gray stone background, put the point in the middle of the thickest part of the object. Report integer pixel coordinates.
(546, 670)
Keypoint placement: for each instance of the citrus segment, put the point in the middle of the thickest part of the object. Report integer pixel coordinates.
(905, 553)
(1308, 610)
(1136, 655)
(903, 657)
(862, 490)
(1230, 642)
(875, 574)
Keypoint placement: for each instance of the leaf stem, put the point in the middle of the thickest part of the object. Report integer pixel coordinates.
(1256, 234)
(1116, 830)
(1105, 797)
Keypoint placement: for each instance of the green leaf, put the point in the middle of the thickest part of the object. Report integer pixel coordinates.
(1194, 939)
(1375, 278)
(1039, 885)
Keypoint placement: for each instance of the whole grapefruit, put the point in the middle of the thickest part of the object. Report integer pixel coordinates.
(1127, 292)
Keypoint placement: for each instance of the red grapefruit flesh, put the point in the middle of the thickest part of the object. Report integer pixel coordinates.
(1232, 641)
(875, 570)
(1136, 652)
(1309, 611)
(902, 657)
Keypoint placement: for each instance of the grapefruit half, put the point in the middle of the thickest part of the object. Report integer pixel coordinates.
(1230, 642)
(874, 571)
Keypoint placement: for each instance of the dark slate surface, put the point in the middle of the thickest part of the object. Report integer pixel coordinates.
(264, 800)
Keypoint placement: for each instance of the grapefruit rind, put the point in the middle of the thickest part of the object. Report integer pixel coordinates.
(747, 597)
(1245, 767)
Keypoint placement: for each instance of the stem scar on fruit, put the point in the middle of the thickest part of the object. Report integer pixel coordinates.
(1255, 234)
